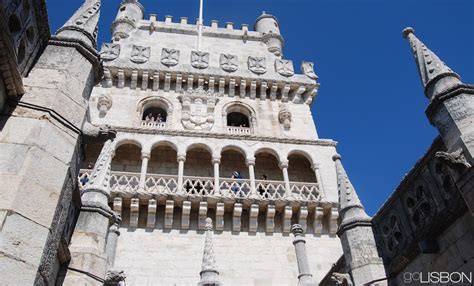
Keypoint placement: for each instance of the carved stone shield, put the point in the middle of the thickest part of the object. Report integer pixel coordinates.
(308, 70)
(257, 65)
(109, 51)
(199, 60)
(198, 109)
(284, 67)
(140, 54)
(169, 57)
(229, 62)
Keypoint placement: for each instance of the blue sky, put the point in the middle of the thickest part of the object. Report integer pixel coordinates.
(371, 100)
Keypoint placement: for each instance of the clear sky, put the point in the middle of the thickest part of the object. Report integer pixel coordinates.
(371, 100)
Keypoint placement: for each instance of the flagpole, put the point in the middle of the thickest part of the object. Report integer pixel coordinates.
(200, 25)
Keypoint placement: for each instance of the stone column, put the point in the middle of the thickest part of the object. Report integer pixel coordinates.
(317, 173)
(251, 166)
(145, 158)
(181, 160)
(305, 278)
(286, 178)
(209, 274)
(88, 243)
(112, 238)
(216, 162)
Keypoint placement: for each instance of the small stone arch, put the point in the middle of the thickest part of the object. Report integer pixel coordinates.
(234, 147)
(270, 151)
(165, 142)
(200, 145)
(154, 102)
(124, 141)
(242, 108)
(302, 153)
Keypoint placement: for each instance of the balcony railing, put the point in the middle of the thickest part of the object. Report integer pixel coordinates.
(153, 125)
(238, 130)
(126, 184)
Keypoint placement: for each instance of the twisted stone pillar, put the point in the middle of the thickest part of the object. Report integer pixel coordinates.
(305, 278)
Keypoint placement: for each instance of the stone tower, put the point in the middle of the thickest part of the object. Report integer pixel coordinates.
(40, 142)
(224, 132)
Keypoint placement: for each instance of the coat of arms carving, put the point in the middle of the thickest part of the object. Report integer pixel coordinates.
(229, 62)
(308, 70)
(257, 65)
(109, 51)
(284, 67)
(169, 57)
(140, 54)
(198, 109)
(199, 60)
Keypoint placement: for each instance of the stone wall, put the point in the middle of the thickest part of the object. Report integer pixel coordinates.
(173, 257)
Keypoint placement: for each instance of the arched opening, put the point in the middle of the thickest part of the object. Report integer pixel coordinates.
(198, 171)
(21, 51)
(234, 173)
(128, 158)
(237, 119)
(163, 160)
(269, 177)
(300, 169)
(155, 114)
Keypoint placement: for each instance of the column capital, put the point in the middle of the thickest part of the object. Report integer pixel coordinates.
(216, 160)
(316, 166)
(181, 158)
(146, 154)
(250, 161)
(283, 164)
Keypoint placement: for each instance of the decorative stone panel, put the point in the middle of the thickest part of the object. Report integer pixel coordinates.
(140, 54)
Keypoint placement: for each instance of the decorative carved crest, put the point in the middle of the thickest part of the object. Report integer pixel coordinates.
(140, 54)
(284, 67)
(199, 60)
(169, 57)
(284, 116)
(308, 70)
(198, 109)
(109, 51)
(104, 103)
(257, 65)
(229, 62)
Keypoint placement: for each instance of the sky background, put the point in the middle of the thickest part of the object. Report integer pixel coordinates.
(371, 99)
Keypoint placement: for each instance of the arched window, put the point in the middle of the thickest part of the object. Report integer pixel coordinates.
(154, 112)
(239, 118)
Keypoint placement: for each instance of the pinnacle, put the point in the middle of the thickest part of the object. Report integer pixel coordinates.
(407, 31)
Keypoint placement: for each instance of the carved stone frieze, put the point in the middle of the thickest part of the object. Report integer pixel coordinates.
(199, 60)
(169, 57)
(198, 109)
(140, 54)
(257, 65)
(229, 62)
(284, 67)
(109, 51)
(308, 69)
(393, 235)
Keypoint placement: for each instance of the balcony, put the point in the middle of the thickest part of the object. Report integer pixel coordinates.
(153, 125)
(238, 130)
(127, 185)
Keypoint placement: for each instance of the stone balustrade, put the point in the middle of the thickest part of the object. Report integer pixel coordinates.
(153, 125)
(239, 130)
(125, 184)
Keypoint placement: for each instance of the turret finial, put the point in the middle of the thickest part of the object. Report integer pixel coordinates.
(435, 75)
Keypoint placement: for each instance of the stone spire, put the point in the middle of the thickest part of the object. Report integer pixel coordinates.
(209, 273)
(83, 25)
(100, 177)
(435, 74)
(351, 209)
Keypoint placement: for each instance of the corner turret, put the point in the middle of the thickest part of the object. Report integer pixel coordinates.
(269, 27)
(130, 12)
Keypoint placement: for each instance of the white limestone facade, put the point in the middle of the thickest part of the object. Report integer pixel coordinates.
(235, 105)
